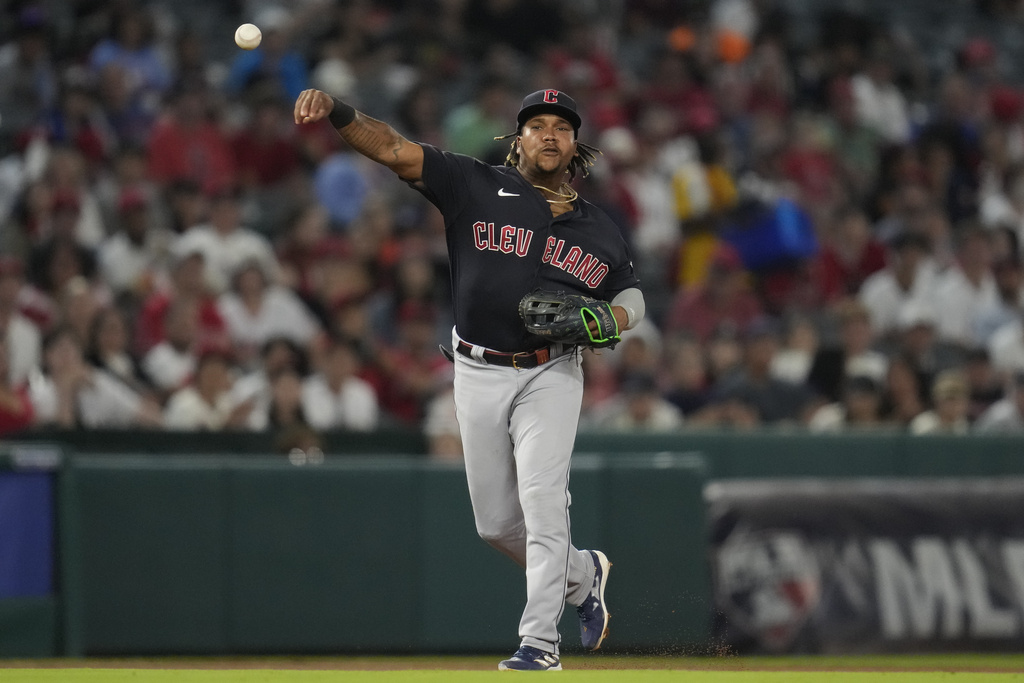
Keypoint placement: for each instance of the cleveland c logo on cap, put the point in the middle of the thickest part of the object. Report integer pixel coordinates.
(551, 96)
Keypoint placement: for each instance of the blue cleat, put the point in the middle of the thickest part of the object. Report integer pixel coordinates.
(593, 612)
(529, 658)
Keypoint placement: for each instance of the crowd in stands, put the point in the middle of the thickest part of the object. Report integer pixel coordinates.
(827, 215)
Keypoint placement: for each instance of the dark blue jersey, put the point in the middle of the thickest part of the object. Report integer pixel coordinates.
(503, 242)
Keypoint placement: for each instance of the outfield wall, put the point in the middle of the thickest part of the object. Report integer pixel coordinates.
(173, 553)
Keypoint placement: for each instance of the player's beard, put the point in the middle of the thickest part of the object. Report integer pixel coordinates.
(544, 169)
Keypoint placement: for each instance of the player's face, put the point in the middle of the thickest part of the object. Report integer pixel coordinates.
(547, 144)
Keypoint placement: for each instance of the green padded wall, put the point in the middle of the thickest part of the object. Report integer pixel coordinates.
(251, 555)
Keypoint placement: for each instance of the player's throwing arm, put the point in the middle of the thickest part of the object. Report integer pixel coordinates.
(373, 139)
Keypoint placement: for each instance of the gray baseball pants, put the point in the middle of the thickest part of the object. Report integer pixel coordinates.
(518, 428)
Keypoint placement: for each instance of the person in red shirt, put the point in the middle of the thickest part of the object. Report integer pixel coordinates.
(849, 255)
(186, 283)
(187, 144)
(413, 370)
(724, 300)
(266, 153)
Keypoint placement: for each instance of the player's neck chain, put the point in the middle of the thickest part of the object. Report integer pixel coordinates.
(566, 198)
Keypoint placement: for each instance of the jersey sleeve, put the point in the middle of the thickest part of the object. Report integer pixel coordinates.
(622, 278)
(446, 179)
(622, 275)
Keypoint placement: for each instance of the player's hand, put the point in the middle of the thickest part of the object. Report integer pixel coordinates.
(312, 106)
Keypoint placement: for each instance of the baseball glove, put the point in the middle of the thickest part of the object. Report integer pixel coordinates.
(568, 318)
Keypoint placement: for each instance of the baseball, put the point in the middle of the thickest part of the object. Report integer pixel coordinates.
(248, 36)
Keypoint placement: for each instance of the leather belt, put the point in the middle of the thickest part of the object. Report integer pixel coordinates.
(522, 360)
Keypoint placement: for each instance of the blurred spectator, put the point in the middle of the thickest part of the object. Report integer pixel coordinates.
(904, 198)
(1006, 346)
(917, 343)
(70, 177)
(16, 412)
(205, 404)
(909, 278)
(419, 115)
(859, 407)
(581, 59)
(413, 370)
(1005, 416)
(170, 363)
(471, 128)
(601, 383)
(1008, 276)
(724, 353)
(965, 289)
(986, 385)
(725, 298)
(22, 339)
(642, 193)
(124, 177)
(640, 352)
(414, 282)
(28, 78)
(1001, 201)
(902, 400)
(80, 123)
(187, 143)
(226, 244)
(951, 403)
(638, 407)
(302, 249)
(186, 205)
(771, 400)
(810, 164)
(71, 394)
(61, 257)
(793, 361)
(130, 47)
(335, 397)
(255, 310)
(685, 375)
(853, 356)
(77, 306)
(128, 117)
(678, 85)
(286, 409)
(187, 285)
(934, 224)
(854, 143)
(265, 150)
(132, 260)
(279, 354)
(879, 102)
(108, 348)
(341, 185)
(849, 254)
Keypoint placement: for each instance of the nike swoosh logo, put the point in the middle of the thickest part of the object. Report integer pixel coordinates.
(502, 193)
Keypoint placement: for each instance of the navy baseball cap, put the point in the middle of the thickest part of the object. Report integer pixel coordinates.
(549, 102)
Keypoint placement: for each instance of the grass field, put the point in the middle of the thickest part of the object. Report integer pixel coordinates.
(450, 669)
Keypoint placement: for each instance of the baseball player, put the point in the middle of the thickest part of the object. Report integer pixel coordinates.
(511, 230)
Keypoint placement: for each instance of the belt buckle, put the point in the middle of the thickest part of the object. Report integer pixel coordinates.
(518, 353)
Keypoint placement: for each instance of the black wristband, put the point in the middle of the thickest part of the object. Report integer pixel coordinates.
(342, 114)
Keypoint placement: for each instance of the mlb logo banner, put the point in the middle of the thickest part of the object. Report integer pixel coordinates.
(867, 566)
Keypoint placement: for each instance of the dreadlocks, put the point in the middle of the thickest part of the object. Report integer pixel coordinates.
(581, 162)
